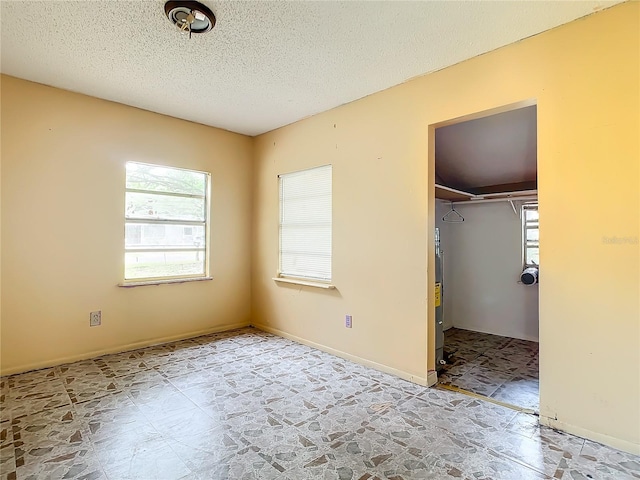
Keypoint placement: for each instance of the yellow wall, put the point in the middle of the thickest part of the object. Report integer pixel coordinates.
(584, 77)
(63, 174)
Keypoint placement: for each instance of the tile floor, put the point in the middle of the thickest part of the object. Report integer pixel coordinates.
(502, 368)
(249, 405)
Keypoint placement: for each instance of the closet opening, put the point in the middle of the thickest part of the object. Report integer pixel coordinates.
(487, 259)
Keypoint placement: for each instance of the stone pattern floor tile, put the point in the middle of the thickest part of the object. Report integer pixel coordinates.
(249, 405)
(502, 368)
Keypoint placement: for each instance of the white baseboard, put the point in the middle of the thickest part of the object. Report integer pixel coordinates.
(425, 382)
(617, 443)
(119, 349)
(432, 378)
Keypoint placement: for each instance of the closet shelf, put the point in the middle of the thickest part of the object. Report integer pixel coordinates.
(459, 196)
(451, 194)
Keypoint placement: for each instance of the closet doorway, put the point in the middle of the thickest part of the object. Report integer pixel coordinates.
(487, 256)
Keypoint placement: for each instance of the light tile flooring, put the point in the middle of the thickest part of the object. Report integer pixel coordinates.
(502, 368)
(249, 405)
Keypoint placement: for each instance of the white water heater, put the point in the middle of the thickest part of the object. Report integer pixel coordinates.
(439, 303)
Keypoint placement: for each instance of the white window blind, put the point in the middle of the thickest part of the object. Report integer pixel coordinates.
(305, 224)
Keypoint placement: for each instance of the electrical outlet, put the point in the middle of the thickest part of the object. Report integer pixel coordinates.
(95, 318)
(347, 321)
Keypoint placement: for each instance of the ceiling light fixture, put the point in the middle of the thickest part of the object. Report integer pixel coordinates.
(189, 16)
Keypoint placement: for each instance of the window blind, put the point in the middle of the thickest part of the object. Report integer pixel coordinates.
(305, 224)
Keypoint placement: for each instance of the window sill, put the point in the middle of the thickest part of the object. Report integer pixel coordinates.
(163, 282)
(306, 283)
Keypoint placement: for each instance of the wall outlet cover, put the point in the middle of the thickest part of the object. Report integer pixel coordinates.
(95, 318)
(348, 321)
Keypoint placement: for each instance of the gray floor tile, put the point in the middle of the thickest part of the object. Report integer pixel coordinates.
(502, 368)
(250, 405)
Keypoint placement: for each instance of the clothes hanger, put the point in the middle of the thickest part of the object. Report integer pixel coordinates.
(455, 216)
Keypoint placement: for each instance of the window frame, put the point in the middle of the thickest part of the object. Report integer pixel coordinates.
(206, 197)
(529, 225)
(299, 279)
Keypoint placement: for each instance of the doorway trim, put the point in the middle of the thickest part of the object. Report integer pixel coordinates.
(431, 218)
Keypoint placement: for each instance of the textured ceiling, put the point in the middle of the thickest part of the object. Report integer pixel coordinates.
(266, 63)
(495, 150)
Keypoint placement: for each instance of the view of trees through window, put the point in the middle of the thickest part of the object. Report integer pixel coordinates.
(165, 222)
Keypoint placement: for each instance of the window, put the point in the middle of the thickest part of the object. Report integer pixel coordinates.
(530, 235)
(305, 224)
(166, 223)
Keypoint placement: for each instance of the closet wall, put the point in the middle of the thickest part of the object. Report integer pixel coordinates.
(482, 270)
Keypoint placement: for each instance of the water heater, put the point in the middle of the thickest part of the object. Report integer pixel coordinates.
(439, 304)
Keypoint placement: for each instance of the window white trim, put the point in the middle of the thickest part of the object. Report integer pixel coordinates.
(526, 226)
(167, 281)
(295, 281)
(305, 225)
